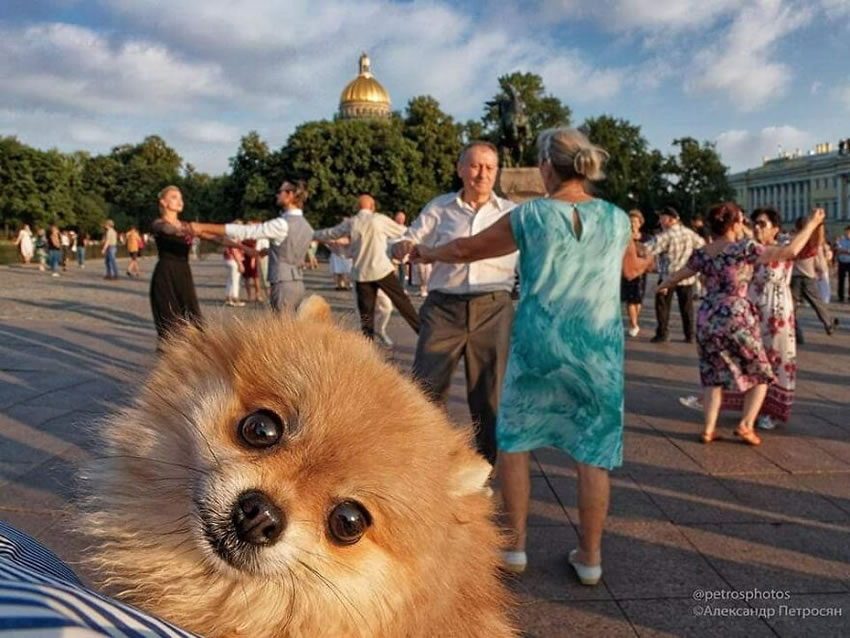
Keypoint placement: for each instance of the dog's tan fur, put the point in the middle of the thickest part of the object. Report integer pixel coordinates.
(427, 566)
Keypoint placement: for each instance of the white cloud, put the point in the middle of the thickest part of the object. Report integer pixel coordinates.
(71, 67)
(207, 132)
(203, 72)
(740, 65)
(836, 8)
(268, 65)
(741, 149)
(648, 15)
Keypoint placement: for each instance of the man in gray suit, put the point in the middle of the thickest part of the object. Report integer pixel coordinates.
(289, 236)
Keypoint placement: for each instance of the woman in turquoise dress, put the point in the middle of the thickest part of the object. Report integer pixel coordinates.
(564, 381)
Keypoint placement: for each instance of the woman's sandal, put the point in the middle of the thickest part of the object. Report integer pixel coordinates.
(705, 437)
(749, 436)
(588, 574)
(514, 562)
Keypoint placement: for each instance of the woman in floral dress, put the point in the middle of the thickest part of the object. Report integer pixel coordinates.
(770, 291)
(732, 355)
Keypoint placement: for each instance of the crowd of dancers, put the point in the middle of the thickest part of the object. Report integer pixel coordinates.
(548, 372)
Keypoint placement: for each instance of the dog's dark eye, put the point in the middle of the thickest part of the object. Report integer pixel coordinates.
(261, 429)
(348, 522)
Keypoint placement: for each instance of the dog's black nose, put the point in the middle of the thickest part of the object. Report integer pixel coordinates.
(257, 520)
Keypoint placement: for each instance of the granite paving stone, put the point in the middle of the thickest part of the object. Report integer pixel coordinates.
(801, 558)
(683, 516)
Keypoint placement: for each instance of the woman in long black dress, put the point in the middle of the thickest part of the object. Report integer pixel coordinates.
(173, 298)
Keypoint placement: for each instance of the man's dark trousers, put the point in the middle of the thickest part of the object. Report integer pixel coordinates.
(685, 295)
(368, 290)
(807, 288)
(478, 328)
(843, 274)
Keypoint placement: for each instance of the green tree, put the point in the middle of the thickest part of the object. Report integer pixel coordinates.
(144, 169)
(700, 177)
(203, 196)
(636, 176)
(344, 158)
(256, 198)
(248, 191)
(438, 138)
(472, 130)
(36, 187)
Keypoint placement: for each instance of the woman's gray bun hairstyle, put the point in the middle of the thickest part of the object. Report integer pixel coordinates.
(571, 154)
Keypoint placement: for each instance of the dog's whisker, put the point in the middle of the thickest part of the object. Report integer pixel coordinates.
(329, 560)
(153, 460)
(194, 425)
(344, 600)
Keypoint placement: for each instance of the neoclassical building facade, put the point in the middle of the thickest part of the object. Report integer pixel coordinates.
(795, 184)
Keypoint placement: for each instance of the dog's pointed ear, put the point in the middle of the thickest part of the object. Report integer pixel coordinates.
(470, 475)
(313, 308)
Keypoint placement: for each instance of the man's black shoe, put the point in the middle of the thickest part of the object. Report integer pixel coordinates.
(657, 339)
(833, 327)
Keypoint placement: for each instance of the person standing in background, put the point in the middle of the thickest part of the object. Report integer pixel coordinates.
(65, 241)
(134, 248)
(40, 245)
(25, 244)
(54, 249)
(82, 242)
(109, 249)
(842, 255)
(673, 247)
(804, 283)
(632, 290)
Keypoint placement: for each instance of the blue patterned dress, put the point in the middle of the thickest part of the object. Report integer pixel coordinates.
(564, 381)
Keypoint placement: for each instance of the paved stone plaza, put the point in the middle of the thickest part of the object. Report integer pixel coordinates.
(686, 518)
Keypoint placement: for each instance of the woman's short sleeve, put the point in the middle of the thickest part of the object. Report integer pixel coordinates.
(517, 215)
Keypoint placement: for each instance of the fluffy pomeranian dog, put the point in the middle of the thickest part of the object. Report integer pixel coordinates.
(276, 477)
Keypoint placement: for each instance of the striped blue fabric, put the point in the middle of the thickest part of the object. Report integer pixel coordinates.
(40, 597)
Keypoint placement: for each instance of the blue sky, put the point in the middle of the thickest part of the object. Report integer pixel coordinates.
(750, 75)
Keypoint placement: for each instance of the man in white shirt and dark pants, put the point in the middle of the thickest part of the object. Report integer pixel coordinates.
(371, 267)
(468, 311)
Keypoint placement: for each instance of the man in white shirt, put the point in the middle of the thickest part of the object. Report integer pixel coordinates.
(289, 235)
(372, 269)
(468, 311)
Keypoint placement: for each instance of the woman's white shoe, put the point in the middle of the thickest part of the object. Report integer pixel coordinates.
(691, 402)
(588, 574)
(515, 562)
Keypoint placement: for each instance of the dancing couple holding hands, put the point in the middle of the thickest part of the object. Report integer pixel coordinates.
(732, 355)
(564, 381)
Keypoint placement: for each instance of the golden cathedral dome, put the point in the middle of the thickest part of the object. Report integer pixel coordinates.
(364, 96)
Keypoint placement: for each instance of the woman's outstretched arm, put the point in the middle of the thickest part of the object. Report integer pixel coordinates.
(495, 241)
